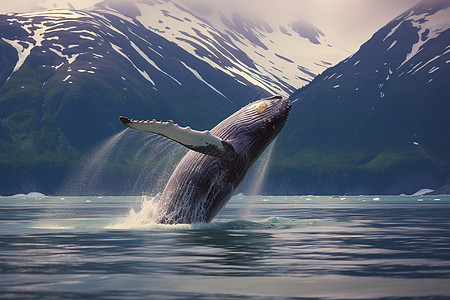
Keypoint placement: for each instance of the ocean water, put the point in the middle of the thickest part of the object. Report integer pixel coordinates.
(305, 247)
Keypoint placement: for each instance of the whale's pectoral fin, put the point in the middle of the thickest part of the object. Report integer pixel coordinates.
(200, 141)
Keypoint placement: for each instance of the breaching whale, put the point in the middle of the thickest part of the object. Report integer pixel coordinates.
(218, 160)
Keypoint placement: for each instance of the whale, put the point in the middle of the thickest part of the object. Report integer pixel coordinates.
(217, 161)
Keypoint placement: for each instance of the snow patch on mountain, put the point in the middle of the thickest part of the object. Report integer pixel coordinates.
(278, 57)
(199, 77)
(143, 73)
(429, 27)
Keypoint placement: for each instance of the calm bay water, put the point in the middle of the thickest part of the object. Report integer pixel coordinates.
(305, 247)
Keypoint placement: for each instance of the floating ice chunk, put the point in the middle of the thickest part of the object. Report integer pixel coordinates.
(31, 195)
(67, 77)
(376, 199)
(35, 194)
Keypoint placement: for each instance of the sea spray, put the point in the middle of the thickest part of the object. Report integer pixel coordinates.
(85, 178)
(259, 171)
(137, 218)
(254, 184)
(161, 157)
(143, 217)
(150, 159)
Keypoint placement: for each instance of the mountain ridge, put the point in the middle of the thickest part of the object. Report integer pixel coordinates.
(374, 122)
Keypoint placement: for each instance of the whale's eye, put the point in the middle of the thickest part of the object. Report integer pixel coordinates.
(261, 108)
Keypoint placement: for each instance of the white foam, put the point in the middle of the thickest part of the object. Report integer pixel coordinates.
(144, 218)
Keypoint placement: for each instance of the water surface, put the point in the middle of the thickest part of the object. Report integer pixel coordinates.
(305, 247)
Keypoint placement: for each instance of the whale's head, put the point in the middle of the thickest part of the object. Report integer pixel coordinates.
(268, 116)
(254, 126)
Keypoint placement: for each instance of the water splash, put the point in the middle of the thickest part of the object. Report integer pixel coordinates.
(160, 157)
(259, 171)
(127, 163)
(86, 177)
(140, 218)
(255, 182)
(144, 218)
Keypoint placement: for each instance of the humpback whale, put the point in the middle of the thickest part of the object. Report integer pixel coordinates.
(218, 160)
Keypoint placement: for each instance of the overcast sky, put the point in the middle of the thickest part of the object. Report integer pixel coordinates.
(348, 23)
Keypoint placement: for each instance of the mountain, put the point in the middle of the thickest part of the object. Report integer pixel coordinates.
(66, 76)
(261, 50)
(377, 122)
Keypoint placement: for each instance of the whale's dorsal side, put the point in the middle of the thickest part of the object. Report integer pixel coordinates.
(200, 141)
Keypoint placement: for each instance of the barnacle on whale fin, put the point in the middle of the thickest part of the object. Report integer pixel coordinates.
(261, 108)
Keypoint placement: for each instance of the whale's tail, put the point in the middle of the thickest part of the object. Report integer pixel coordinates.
(200, 141)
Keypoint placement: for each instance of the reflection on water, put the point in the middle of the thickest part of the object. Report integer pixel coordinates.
(317, 248)
(226, 253)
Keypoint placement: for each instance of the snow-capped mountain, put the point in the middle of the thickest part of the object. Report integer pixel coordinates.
(378, 121)
(74, 38)
(66, 76)
(277, 54)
